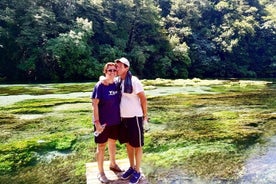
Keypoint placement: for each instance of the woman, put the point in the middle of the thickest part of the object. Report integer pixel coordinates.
(106, 115)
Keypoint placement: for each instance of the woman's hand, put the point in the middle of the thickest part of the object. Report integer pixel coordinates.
(99, 128)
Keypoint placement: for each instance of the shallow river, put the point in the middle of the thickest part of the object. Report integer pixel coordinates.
(7, 100)
(258, 169)
(261, 168)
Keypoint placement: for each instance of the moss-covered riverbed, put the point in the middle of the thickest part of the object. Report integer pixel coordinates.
(201, 130)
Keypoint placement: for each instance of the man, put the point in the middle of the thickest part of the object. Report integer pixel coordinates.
(133, 108)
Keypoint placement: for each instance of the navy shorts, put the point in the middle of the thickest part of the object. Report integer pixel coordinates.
(110, 132)
(132, 132)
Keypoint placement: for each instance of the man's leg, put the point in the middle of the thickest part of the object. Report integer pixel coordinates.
(130, 153)
(138, 158)
(130, 171)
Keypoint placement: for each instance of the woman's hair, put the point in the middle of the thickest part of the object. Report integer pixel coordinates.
(107, 65)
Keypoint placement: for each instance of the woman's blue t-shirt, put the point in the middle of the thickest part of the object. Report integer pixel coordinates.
(109, 103)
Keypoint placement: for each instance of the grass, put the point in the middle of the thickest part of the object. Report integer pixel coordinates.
(205, 136)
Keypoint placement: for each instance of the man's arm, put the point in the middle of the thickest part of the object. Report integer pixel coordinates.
(143, 101)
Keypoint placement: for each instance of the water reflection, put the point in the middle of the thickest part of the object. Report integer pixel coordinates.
(261, 169)
(159, 91)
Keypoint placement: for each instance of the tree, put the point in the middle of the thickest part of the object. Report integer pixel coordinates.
(71, 52)
(8, 30)
(175, 39)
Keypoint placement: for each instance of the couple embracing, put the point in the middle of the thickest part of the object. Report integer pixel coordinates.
(119, 111)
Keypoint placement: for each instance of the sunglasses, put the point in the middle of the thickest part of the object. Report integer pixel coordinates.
(112, 70)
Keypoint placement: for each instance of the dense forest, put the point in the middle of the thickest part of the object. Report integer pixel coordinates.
(70, 40)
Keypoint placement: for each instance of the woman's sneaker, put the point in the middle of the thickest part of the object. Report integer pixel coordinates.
(127, 174)
(135, 178)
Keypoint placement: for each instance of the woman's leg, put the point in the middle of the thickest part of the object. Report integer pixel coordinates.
(112, 152)
(100, 157)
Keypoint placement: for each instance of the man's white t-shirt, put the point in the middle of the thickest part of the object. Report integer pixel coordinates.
(130, 102)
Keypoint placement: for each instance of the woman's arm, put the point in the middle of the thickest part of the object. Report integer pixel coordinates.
(96, 119)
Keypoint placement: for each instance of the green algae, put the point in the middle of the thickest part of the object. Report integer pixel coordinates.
(203, 135)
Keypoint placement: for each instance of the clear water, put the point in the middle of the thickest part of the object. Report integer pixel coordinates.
(258, 169)
(261, 168)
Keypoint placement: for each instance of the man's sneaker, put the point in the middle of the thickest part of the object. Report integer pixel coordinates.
(127, 174)
(135, 178)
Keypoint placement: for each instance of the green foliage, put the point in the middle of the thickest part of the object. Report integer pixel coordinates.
(71, 52)
(54, 40)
